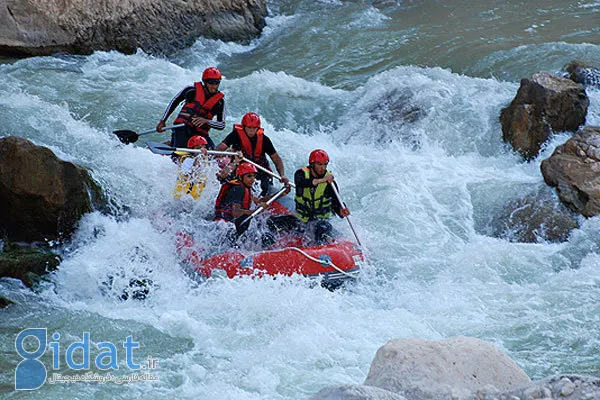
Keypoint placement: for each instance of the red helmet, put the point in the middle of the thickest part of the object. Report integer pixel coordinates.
(196, 141)
(211, 73)
(245, 168)
(318, 156)
(252, 120)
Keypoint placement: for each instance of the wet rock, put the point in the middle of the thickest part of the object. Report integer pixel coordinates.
(397, 110)
(555, 387)
(29, 27)
(397, 105)
(585, 74)
(574, 170)
(27, 264)
(45, 195)
(4, 302)
(535, 218)
(543, 104)
(356, 392)
(456, 367)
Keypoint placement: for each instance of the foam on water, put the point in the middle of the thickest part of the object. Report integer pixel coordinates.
(419, 158)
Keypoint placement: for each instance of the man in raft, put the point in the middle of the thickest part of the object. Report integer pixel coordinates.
(203, 102)
(235, 198)
(315, 201)
(249, 138)
(192, 175)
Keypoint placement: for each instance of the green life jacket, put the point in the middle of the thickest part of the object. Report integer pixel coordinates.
(311, 202)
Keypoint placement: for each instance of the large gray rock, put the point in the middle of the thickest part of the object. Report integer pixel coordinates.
(30, 27)
(41, 197)
(574, 170)
(450, 368)
(455, 369)
(543, 104)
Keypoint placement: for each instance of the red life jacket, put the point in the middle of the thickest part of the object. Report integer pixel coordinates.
(257, 156)
(225, 211)
(200, 107)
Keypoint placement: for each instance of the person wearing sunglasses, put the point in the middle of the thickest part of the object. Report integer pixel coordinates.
(202, 103)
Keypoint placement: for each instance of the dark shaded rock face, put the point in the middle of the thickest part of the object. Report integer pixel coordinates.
(544, 104)
(574, 170)
(4, 302)
(27, 264)
(41, 197)
(29, 27)
(398, 109)
(536, 218)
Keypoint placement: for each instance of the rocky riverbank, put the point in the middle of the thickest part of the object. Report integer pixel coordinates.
(455, 369)
(35, 28)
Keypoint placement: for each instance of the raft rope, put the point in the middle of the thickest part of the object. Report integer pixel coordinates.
(327, 262)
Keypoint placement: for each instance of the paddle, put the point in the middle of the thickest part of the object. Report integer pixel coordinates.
(126, 136)
(161, 148)
(165, 149)
(343, 205)
(261, 208)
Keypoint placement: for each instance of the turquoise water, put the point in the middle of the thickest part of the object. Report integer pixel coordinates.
(405, 97)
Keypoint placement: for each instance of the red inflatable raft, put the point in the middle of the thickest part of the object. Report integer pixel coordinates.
(334, 263)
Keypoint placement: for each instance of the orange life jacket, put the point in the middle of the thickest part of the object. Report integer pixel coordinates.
(225, 211)
(200, 107)
(257, 156)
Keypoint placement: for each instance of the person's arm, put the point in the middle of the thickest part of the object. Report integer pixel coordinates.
(235, 197)
(325, 179)
(219, 124)
(279, 166)
(181, 96)
(227, 172)
(229, 141)
(335, 203)
(300, 181)
(263, 202)
(237, 211)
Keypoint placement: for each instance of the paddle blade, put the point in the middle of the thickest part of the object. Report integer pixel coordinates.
(126, 136)
(160, 148)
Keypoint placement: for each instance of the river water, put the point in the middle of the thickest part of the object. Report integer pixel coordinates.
(405, 97)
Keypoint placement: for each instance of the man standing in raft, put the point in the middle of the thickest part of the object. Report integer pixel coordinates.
(249, 138)
(203, 101)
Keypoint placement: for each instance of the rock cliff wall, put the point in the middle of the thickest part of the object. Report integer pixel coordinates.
(30, 27)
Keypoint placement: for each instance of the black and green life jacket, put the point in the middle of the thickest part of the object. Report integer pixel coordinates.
(311, 202)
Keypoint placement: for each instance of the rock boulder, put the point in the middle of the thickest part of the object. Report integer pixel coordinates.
(29, 27)
(456, 367)
(534, 218)
(41, 197)
(543, 104)
(574, 170)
